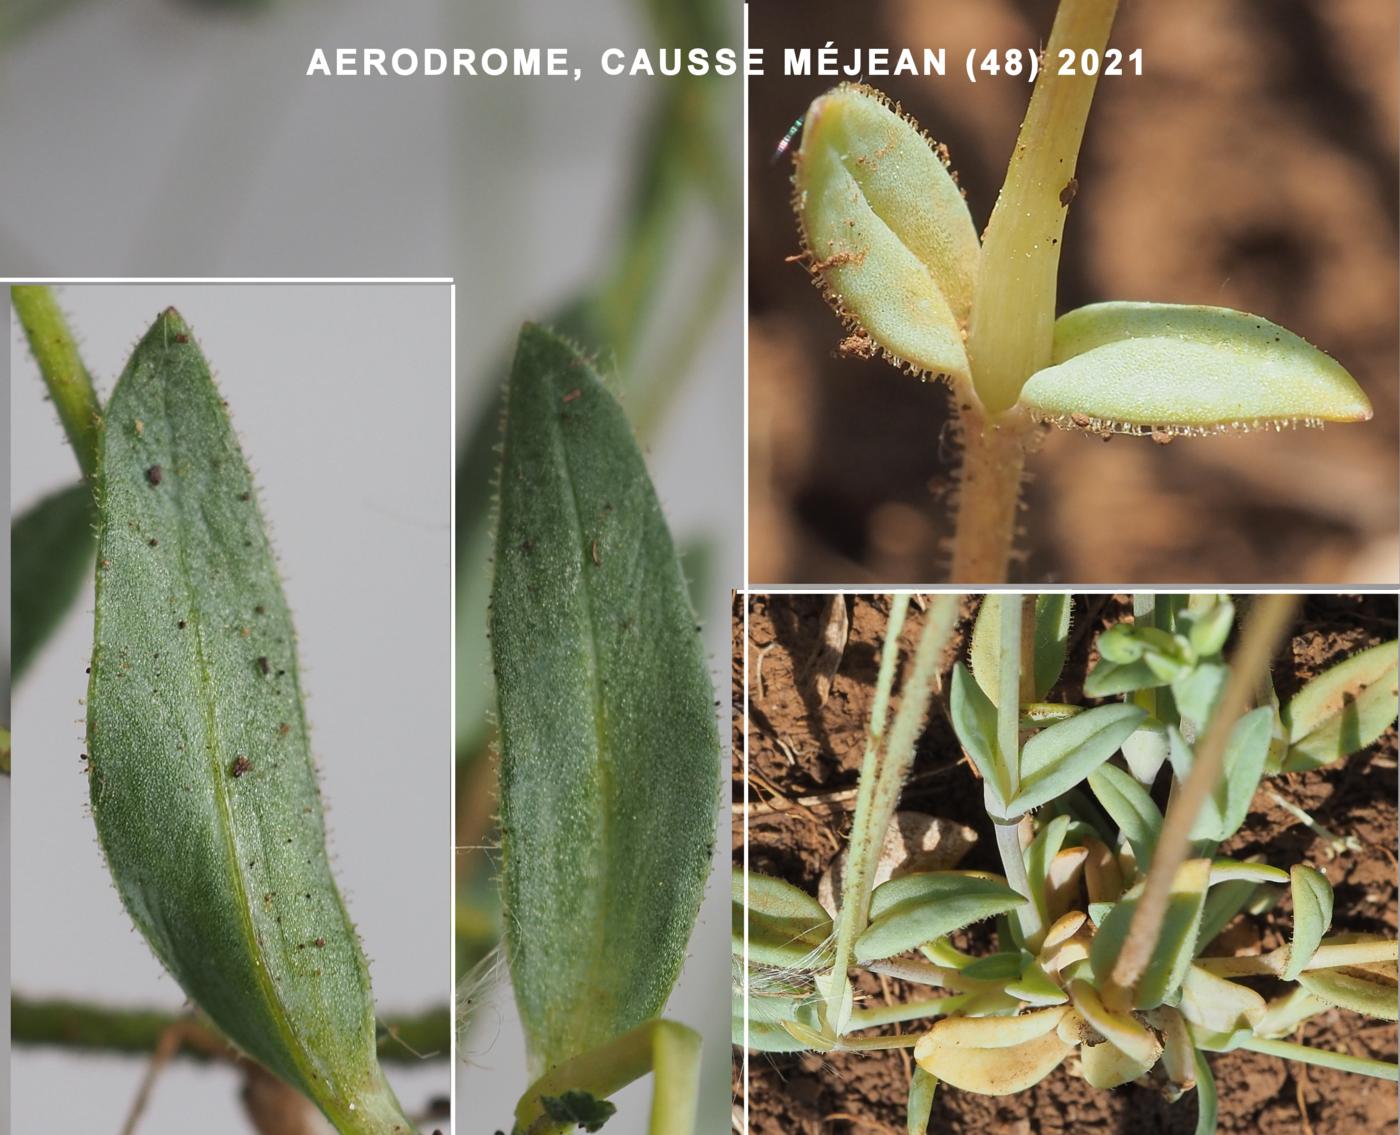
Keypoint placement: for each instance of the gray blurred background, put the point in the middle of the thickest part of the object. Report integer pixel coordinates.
(328, 386)
(193, 144)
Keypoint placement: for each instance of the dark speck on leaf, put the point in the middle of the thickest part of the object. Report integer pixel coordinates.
(154, 475)
(245, 496)
(181, 624)
(263, 666)
(1068, 192)
(153, 542)
(241, 764)
(182, 338)
(260, 610)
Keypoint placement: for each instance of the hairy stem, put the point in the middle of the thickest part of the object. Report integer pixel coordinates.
(405, 1039)
(61, 367)
(893, 770)
(865, 838)
(1269, 620)
(989, 494)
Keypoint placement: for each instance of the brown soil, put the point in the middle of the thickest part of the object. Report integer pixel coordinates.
(798, 748)
(1252, 165)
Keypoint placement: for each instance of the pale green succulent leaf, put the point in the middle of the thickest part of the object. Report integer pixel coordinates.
(922, 1086)
(1207, 1104)
(913, 909)
(1051, 639)
(1225, 809)
(787, 926)
(974, 718)
(1343, 709)
(1141, 366)
(1058, 758)
(1130, 807)
(1108, 678)
(886, 229)
(1312, 916)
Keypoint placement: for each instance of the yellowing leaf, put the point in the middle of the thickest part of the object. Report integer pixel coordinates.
(1025, 1049)
(1217, 1005)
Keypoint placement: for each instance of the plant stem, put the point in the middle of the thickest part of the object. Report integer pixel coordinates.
(1010, 621)
(670, 1051)
(1269, 620)
(908, 1011)
(1342, 1061)
(92, 1028)
(61, 367)
(989, 494)
(1013, 311)
(860, 863)
(1327, 956)
(875, 809)
(1008, 689)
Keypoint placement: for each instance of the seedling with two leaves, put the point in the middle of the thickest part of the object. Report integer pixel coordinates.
(1108, 912)
(889, 239)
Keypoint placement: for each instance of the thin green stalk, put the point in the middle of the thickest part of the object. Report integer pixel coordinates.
(1269, 620)
(669, 1051)
(61, 367)
(876, 1016)
(1009, 746)
(1013, 312)
(891, 770)
(1009, 686)
(1342, 1061)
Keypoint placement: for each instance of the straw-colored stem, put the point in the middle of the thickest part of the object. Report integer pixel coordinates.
(1013, 310)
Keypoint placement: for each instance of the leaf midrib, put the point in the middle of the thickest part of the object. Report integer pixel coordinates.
(290, 1041)
(602, 832)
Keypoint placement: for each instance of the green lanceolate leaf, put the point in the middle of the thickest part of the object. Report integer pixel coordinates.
(787, 926)
(1138, 366)
(609, 749)
(1312, 915)
(203, 788)
(1058, 758)
(1051, 639)
(921, 1091)
(886, 229)
(913, 909)
(50, 552)
(1131, 808)
(1343, 709)
(1206, 1105)
(1246, 751)
(975, 722)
